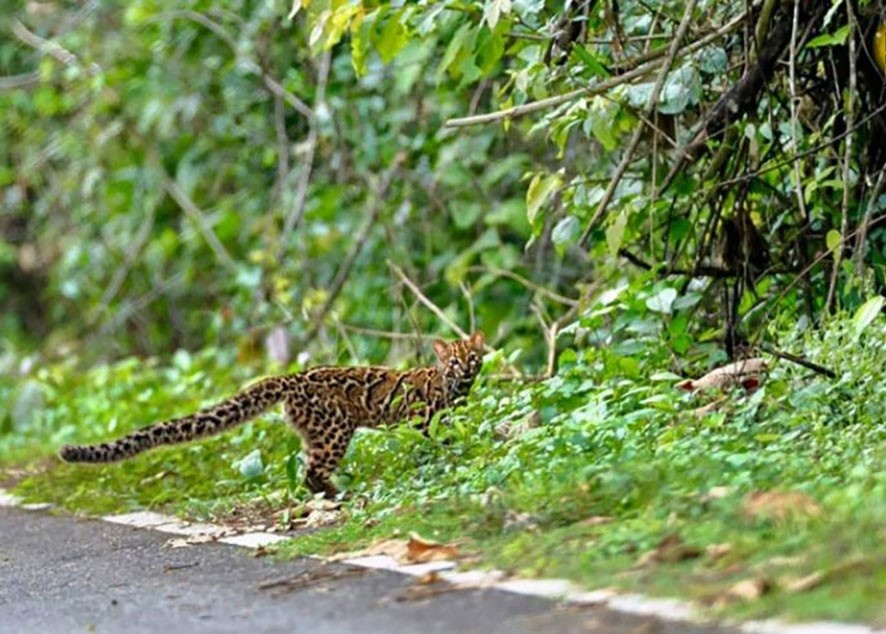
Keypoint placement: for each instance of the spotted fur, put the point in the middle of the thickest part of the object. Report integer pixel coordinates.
(324, 405)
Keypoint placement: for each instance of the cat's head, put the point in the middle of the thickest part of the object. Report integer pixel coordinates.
(460, 360)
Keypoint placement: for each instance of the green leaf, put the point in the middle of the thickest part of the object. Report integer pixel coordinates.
(494, 9)
(662, 301)
(600, 121)
(463, 39)
(392, 39)
(489, 48)
(590, 62)
(866, 314)
(712, 60)
(615, 233)
(833, 240)
(251, 466)
(337, 24)
(540, 189)
(681, 88)
(837, 38)
(465, 215)
(565, 233)
(360, 31)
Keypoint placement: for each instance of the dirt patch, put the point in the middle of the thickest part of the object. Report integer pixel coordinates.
(11, 476)
(261, 516)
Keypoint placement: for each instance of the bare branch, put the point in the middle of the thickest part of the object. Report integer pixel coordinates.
(849, 109)
(820, 369)
(384, 334)
(344, 270)
(11, 82)
(269, 82)
(537, 288)
(795, 124)
(297, 211)
(199, 219)
(600, 87)
(48, 47)
(412, 286)
(132, 252)
(862, 231)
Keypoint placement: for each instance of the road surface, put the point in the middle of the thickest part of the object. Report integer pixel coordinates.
(67, 575)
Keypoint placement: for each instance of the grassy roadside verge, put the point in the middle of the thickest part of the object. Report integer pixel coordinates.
(772, 504)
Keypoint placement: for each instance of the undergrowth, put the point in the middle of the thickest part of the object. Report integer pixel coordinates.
(581, 475)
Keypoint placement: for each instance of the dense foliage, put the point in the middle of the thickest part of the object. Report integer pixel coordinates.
(182, 175)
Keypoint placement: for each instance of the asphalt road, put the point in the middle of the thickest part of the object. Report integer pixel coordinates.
(67, 575)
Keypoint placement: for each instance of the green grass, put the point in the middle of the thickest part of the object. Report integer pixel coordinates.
(614, 439)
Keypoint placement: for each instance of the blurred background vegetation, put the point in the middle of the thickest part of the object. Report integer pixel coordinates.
(268, 176)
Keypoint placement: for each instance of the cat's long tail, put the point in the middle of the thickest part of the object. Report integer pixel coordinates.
(213, 420)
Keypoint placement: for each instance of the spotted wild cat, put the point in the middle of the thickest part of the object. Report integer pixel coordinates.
(324, 405)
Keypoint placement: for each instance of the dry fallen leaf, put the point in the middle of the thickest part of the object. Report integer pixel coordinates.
(420, 550)
(716, 551)
(395, 548)
(318, 519)
(749, 589)
(805, 583)
(595, 520)
(415, 550)
(671, 549)
(780, 505)
(746, 373)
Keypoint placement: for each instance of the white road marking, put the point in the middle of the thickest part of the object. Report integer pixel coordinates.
(557, 589)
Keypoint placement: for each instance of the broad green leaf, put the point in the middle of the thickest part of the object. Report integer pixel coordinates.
(681, 88)
(463, 39)
(712, 60)
(565, 233)
(837, 38)
(867, 313)
(360, 33)
(318, 29)
(494, 9)
(599, 121)
(833, 240)
(662, 301)
(392, 39)
(615, 232)
(251, 466)
(540, 189)
(596, 68)
(489, 48)
(337, 24)
(465, 215)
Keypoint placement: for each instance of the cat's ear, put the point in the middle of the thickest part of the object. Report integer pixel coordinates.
(441, 349)
(478, 339)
